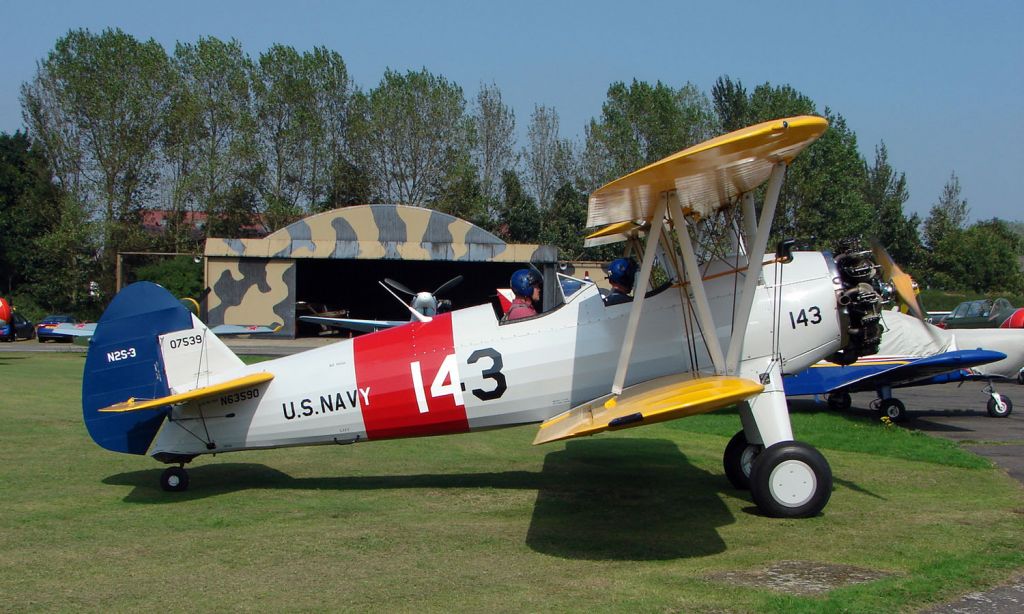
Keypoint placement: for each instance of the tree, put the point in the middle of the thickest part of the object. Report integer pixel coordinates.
(29, 207)
(494, 126)
(518, 219)
(886, 191)
(768, 102)
(944, 237)
(181, 276)
(731, 104)
(463, 196)
(981, 258)
(567, 222)
(98, 103)
(283, 98)
(641, 124)
(330, 158)
(548, 159)
(407, 134)
(65, 261)
(210, 141)
(987, 260)
(947, 216)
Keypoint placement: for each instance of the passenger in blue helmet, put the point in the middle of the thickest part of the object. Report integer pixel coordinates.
(621, 273)
(526, 286)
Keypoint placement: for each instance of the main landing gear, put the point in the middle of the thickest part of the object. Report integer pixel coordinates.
(788, 479)
(999, 406)
(174, 479)
(887, 406)
(839, 401)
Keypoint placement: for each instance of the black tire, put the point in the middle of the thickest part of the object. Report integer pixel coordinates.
(1020, 377)
(791, 480)
(738, 460)
(839, 401)
(174, 479)
(1000, 410)
(894, 409)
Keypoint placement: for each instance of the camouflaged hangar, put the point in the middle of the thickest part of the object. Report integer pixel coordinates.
(335, 259)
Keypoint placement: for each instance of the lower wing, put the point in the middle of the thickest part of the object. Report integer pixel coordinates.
(657, 400)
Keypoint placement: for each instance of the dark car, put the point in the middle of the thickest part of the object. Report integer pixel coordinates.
(984, 313)
(17, 328)
(44, 330)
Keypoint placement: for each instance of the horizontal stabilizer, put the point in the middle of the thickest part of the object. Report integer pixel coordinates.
(87, 329)
(657, 400)
(192, 395)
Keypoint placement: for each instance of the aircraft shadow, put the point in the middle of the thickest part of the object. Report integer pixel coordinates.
(627, 499)
(611, 499)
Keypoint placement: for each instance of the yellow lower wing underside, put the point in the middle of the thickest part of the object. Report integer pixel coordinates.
(192, 395)
(658, 400)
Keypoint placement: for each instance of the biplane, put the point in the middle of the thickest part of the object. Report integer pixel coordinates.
(722, 331)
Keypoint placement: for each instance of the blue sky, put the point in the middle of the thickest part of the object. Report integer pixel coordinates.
(942, 83)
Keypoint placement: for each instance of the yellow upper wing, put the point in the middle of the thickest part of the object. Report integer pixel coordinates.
(657, 400)
(706, 175)
(192, 395)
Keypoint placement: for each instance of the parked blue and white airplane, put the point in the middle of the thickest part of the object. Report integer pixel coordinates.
(423, 305)
(915, 353)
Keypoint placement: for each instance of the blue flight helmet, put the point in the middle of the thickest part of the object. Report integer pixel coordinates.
(523, 282)
(622, 271)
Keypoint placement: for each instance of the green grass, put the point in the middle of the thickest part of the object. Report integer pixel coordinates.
(638, 520)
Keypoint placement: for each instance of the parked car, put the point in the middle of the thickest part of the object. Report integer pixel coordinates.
(18, 327)
(45, 332)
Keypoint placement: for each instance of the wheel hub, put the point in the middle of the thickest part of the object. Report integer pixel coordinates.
(793, 483)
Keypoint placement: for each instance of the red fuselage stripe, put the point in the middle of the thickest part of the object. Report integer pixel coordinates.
(413, 387)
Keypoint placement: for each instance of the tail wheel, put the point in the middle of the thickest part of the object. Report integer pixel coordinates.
(893, 409)
(174, 479)
(738, 460)
(1001, 409)
(839, 401)
(791, 479)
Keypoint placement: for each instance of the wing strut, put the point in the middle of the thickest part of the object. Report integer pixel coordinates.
(755, 258)
(657, 222)
(707, 323)
(749, 221)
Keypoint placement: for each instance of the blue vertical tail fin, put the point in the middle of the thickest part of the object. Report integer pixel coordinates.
(125, 361)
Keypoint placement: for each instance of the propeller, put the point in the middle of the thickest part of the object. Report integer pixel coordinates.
(397, 286)
(448, 285)
(901, 282)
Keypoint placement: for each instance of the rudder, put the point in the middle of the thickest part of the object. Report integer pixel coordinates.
(124, 361)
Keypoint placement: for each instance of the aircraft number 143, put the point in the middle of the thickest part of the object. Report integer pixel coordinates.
(446, 381)
(801, 318)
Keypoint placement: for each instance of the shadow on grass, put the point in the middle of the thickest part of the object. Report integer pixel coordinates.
(627, 499)
(612, 499)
